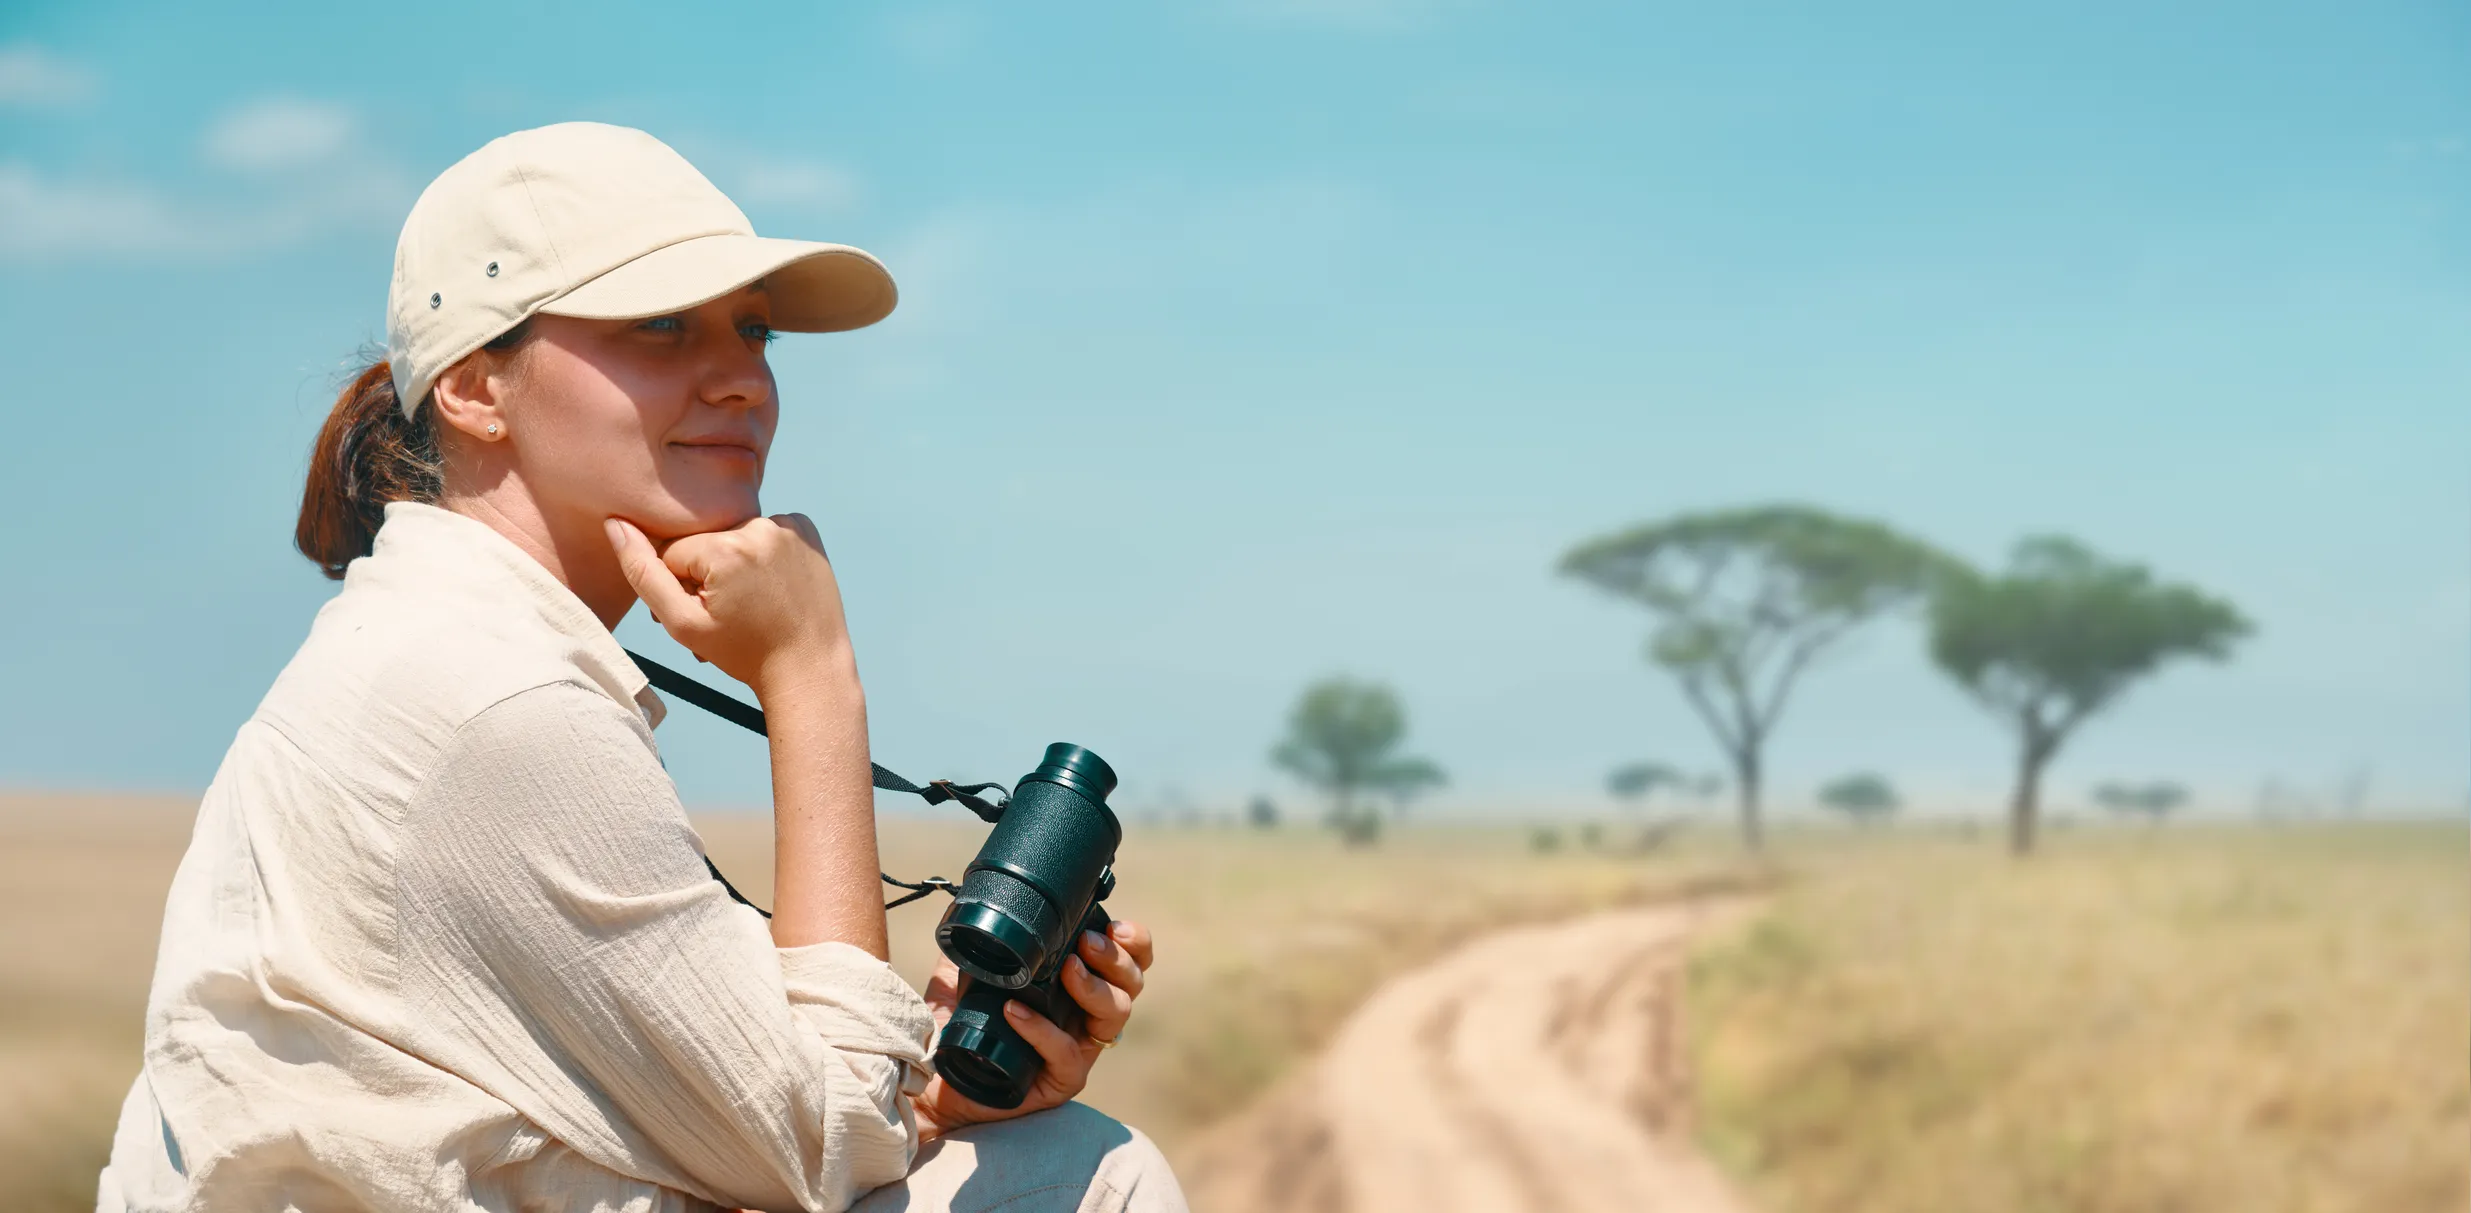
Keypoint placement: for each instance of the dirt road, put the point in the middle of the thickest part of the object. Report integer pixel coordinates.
(1540, 1068)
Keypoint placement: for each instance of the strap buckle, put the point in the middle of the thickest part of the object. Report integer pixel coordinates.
(937, 791)
(918, 889)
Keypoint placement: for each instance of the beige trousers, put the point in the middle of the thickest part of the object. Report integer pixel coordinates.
(1071, 1159)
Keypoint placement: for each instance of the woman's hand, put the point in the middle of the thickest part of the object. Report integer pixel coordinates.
(758, 600)
(1104, 975)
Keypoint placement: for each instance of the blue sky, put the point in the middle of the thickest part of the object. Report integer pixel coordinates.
(1249, 341)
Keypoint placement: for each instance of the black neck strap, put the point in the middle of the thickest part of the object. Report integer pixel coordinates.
(751, 718)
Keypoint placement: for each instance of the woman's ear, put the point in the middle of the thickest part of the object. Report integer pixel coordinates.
(466, 398)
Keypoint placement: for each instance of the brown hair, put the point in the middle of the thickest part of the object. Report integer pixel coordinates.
(368, 454)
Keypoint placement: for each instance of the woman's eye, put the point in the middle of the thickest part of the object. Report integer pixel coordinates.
(759, 331)
(664, 324)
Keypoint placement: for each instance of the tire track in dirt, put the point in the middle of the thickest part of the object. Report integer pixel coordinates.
(1538, 1068)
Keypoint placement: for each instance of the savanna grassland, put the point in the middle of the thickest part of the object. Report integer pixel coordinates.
(1267, 940)
(2189, 1019)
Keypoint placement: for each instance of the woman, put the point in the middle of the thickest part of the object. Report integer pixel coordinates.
(444, 938)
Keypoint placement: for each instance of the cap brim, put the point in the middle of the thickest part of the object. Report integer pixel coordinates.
(815, 288)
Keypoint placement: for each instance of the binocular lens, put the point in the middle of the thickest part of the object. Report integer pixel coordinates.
(976, 1077)
(990, 944)
(975, 951)
(981, 1056)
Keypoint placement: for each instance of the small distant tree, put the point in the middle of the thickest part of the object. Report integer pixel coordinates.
(2351, 792)
(2058, 637)
(2152, 801)
(1636, 782)
(2277, 800)
(1864, 797)
(1261, 814)
(1745, 601)
(1343, 737)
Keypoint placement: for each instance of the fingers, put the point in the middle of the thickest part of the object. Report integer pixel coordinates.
(1133, 938)
(1106, 973)
(758, 600)
(1107, 1007)
(1112, 961)
(949, 1109)
(945, 982)
(804, 528)
(943, 992)
(659, 588)
(1067, 1057)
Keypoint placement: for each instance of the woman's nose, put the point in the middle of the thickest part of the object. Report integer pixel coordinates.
(737, 379)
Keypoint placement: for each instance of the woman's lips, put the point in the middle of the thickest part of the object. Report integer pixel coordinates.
(730, 453)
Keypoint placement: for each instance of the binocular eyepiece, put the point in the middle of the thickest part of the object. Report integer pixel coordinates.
(1035, 886)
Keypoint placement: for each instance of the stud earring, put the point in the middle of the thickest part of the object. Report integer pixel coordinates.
(493, 429)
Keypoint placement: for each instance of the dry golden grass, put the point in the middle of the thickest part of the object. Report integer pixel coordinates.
(2200, 1019)
(1266, 940)
(81, 899)
(2197, 1020)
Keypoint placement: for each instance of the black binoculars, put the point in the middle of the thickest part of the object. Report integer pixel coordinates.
(1035, 886)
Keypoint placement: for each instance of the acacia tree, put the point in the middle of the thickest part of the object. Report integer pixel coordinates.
(1864, 797)
(1746, 600)
(1342, 738)
(2057, 638)
(2152, 801)
(1634, 783)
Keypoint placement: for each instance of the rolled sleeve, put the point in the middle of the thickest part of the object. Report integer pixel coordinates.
(572, 956)
(854, 1001)
(877, 1028)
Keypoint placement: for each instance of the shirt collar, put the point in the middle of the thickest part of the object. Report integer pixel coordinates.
(447, 548)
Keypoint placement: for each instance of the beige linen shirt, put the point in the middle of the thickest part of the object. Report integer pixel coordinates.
(444, 940)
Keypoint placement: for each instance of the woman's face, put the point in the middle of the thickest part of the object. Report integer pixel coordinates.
(664, 422)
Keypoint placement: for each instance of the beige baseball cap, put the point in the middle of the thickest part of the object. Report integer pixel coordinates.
(602, 222)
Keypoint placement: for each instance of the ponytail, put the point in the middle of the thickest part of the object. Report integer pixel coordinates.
(367, 454)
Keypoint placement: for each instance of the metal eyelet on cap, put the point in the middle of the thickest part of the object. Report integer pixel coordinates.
(493, 269)
(436, 299)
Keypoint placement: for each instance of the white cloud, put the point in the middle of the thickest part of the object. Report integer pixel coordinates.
(800, 183)
(305, 178)
(32, 76)
(934, 37)
(40, 216)
(2437, 147)
(1506, 100)
(277, 133)
(47, 218)
(1360, 16)
(968, 273)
